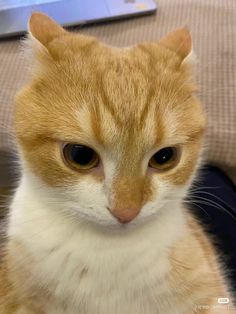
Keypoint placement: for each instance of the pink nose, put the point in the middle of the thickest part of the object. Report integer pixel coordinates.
(125, 215)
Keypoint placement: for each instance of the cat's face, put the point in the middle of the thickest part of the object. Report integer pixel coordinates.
(114, 134)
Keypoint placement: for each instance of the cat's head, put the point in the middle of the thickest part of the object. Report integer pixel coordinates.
(113, 133)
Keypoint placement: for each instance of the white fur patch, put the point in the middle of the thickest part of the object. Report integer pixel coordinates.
(90, 267)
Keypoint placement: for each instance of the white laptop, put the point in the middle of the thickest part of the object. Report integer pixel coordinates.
(14, 14)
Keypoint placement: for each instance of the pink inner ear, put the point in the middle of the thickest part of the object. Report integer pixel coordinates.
(43, 28)
(179, 41)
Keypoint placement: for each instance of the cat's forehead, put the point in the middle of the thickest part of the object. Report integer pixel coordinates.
(131, 84)
(112, 90)
(114, 96)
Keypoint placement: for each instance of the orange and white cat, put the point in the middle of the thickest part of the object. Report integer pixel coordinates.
(109, 140)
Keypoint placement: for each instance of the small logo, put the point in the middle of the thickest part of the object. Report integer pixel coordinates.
(223, 300)
(141, 6)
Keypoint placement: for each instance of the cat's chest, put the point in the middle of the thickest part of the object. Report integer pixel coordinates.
(110, 280)
(89, 270)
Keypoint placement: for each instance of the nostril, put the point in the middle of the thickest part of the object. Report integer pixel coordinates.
(125, 215)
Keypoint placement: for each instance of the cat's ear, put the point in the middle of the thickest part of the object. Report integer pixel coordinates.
(43, 29)
(180, 42)
(46, 38)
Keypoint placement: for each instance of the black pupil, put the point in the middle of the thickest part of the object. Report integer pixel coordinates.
(81, 155)
(164, 155)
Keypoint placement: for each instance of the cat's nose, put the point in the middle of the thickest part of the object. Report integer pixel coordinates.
(125, 215)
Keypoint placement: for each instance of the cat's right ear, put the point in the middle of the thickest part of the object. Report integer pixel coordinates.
(44, 29)
(44, 36)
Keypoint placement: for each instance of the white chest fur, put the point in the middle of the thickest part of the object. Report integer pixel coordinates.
(91, 270)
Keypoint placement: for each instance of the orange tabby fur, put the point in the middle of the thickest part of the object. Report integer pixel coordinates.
(107, 89)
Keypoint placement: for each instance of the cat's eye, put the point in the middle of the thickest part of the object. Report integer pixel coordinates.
(164, 159)
(80, 157)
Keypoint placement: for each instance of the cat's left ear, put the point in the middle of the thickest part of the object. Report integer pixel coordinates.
(180, 42)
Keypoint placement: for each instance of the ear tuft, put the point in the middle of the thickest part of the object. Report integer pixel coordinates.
(43, 28)
(179, 41)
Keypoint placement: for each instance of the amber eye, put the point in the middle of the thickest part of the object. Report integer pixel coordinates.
(164, 158)
(80, 157)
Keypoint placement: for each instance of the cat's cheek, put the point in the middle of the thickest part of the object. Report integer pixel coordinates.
(164, 193)
(87, 199)
(156, 202)
(160, 188)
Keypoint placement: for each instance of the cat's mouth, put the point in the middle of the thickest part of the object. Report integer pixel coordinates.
(105, 218)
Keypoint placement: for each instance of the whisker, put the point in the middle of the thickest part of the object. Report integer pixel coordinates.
(198, 186)
(196, 204)
(213, 204)
(216, 197)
